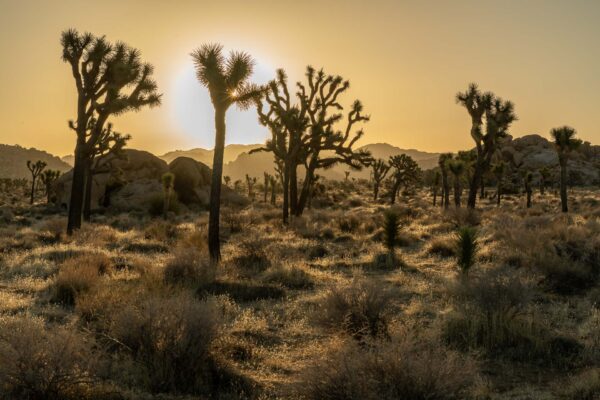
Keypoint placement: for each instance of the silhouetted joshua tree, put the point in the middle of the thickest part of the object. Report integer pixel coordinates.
(437, 178)
(250, 182)
(443, 163)
(227, 80)
(48, 177)
(545, 179)
(36, 169)
(267, 178)
(380, 170)
(564, 142)
(527, 181)
(108, 147)
(457, 168)
(227, 180)
(499, 115)
(305, 133)
(110, 80)
(273, 183)
(498, 171)
(405, 171)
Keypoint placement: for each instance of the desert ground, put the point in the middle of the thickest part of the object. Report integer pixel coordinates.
(130, 308)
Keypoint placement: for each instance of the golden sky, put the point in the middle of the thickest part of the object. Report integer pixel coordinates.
(405, 60)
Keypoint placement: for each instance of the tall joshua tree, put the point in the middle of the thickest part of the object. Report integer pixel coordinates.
(457, 168)
(227, 80)
(564, 142)
(443, 163)
(380, 169)
(36, 169)
(545, 177)
(499, 115)
(528, 180)
(48, 178)
(273, 183)
(267, 177)
(110, 80)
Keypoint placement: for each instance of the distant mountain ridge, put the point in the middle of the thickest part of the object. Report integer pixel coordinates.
(13, 161)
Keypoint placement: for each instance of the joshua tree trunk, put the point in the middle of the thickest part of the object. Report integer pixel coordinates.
(434, 195)
(481, 188)
(376, 190)
(394, 193)
(542, 186)
(77, 186)
(273, 198)
(286, 192)
(87, 199)
(32, 189)
(476, 179)
(529, 197)
(457, 192)
(294, 189)
(214, 245)
(563, 185)
(446, 190)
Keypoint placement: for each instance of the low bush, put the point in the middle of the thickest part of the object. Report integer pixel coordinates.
(360, 308)
(78, 275)
(189, 266)
(289, 276)
(402, 368)
(41, 363)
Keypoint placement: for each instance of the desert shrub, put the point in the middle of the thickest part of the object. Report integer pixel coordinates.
(462, 217)
(289, 276)
(348, 224)
(252, 257)
(78, 275)
(467, 247)
(156, 205)
(402, 368)
(189, 266)
(567, 277)
(162, 231)
(442, 246)
(583, 386)
(145, 247)
(171, 338)
(360, 308)
(317, 251)
(41, 363)
(235, 221)
(391, 226)
(386, 260)
(491, 314)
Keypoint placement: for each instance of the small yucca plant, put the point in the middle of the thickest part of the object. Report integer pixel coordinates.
(391, 225)
(466, 248)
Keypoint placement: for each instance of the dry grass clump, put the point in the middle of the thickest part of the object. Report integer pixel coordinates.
(444, 246)
(403, 368)
(252, 257)
(171, 339)
(189, 266)
(78, 275)
(43, 363)
(360, 308)
(291, 277)
(492, 314)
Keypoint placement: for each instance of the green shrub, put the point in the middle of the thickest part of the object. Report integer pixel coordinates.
(466, 248)
(360, 308)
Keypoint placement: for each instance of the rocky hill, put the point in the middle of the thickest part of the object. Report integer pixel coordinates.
(13, 161)
(205, 156)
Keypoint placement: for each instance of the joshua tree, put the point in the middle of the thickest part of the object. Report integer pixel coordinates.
(109, 144)
(307, 133)
(227, 81)
(379, 171)
(346, 175)
(498, 171)
(545, 176)
(499, 115)
(250, 186)
(457, 168)
(110, 80)
(267, 178)
(467, 248)
(405, 171)
(36, 169)
(168, 181)
(273, 183)
(48, 177)
(565, 142)
(443, 163)
(437, 177)
(227, 180)
(527, 180)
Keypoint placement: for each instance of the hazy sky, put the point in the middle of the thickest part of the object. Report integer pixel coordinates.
(405, 60)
